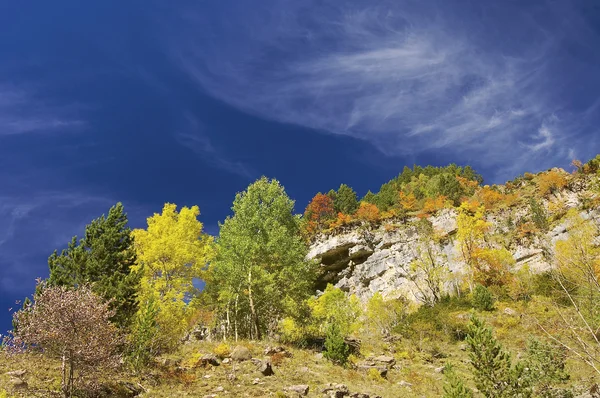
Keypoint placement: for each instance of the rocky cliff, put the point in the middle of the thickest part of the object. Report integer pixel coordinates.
(364, 260)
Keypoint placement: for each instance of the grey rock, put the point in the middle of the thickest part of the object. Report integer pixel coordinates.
(240, 353)
(300, 389)
(510, 311)
(18, 383)
(384, 359)
(209, 359)
(334, 390)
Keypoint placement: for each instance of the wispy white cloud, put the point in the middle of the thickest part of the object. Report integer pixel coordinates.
(399, 74)
(21, 111)
(193, 136)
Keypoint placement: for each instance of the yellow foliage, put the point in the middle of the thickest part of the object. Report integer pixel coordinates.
(471, 230)
(382, 315)
(551, 181)
(578, 258)
(341, 220)
(335, 306)
(290, 331)
(171, 253)
(492, 266)
(374, 375)
(408, 202)
(222, 350)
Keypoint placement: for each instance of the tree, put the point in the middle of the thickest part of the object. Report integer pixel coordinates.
(578, 274)
(319, 212)
(471, 229)
(454, 386)
(259, 274)
(427, 272)
(334, 306)
(171, 252)
(492, 368)
(71, 324)
(345, 200)
(367, 212)
(102, 258)
(551, 182)
(336, 349)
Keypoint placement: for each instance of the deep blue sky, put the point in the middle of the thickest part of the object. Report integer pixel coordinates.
(190, 101)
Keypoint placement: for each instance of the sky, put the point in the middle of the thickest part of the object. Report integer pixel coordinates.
(188, 102)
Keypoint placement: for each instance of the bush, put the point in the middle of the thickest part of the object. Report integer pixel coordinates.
(222, 350)
(142, 339)
(71, 324)
(336, 349)
(483, 299)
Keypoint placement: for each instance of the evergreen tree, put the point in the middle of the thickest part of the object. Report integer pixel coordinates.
(454, 386)
(492, 370)
(102, 258)
(336, 349)
(345, 200)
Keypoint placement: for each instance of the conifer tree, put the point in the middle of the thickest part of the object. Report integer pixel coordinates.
(102, 258)
(345, 200)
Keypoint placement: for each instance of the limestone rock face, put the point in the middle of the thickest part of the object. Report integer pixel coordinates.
(363, 260)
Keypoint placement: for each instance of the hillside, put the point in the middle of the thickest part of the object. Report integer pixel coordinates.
(434, 286)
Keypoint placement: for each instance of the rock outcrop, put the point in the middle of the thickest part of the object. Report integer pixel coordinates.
(363, 260)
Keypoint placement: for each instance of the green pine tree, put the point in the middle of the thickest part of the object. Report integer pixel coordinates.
(336, 349)
(102, 258)
(345, 200)
(454, 386)
(492, 369)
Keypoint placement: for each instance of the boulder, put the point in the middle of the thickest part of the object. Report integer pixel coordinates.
(209, 359)
(240, 353)
(335, 390)
(277, 350)
(18, 384)
(366, 366)
(510, 311)
(384, 360)
(300, 389)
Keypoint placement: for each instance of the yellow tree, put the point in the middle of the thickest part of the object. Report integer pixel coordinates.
(578, 273)
(171, 252)
(471, 229)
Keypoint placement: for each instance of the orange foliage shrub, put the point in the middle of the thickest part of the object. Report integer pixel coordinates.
(526, 229)
(489, 197)
(469, 186)
(367, 212)
(431, 206)
(551, 181)
(341, 220)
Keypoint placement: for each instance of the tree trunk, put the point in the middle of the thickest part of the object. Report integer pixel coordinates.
(64, 374)
(71, 374)
(252, 309)
(235, 320)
